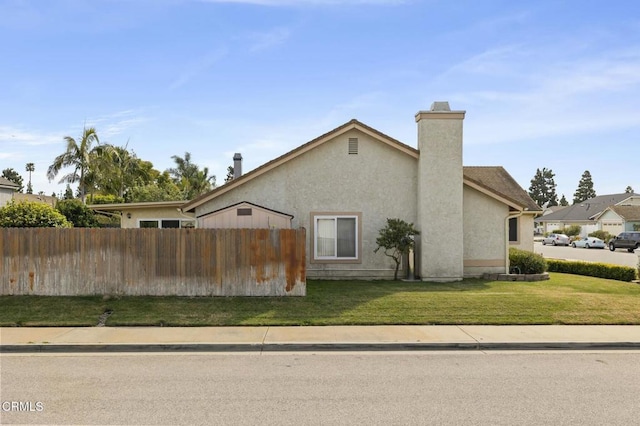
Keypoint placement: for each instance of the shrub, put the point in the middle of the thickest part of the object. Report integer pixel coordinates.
(77, 213)
(592, 269)
(29, 214)
(572, 230)
(527, 262)
(603, 235)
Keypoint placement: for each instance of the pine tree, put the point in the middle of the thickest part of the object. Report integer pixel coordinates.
(543, 188)
(585, 188)
(629, 190)
(563, 201)
(229, 177)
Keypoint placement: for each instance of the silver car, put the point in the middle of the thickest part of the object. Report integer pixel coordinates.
(556, 240)
(588, 242)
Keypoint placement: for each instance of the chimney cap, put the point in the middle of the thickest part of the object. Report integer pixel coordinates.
(440, 106)
(237, 156)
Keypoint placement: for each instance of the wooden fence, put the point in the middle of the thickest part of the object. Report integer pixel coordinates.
(183, 262)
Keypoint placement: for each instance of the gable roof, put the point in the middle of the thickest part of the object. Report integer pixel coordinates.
(7, 184)
(500, 182)
(628, 213)
(247, 203)
(493, 181)
(587, 210)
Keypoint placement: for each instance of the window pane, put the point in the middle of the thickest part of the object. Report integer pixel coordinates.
(513, 229)
(171, 224)
(148, 224)
(347, 237)
(326, 238)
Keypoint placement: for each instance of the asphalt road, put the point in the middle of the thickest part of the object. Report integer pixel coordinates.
(618, 257)
(312, 389)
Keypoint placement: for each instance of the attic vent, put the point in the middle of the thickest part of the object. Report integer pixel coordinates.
(244, 212)
(353, 145)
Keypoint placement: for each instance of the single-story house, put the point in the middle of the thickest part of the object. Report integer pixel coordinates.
(589, 215)
(343, 185)
(156, 214)
(624, 216)
(7, 188)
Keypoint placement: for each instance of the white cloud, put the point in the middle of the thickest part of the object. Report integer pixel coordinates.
(197, 67)
(263, 41)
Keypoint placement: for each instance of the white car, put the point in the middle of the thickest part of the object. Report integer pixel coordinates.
(556, 240)
(589, 242)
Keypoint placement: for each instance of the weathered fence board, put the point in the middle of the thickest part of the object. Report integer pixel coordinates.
(183, 262)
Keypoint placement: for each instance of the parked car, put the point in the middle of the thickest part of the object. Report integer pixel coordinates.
(556, 240)
(589, 242)
(629, 240)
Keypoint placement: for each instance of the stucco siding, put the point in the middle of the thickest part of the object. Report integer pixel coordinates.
(378, 182)
(5, 196)
(484, 234)
(525, 233)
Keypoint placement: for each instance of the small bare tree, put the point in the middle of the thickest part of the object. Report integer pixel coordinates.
(396, 239)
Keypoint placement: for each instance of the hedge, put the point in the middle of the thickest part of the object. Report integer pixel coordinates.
(526, 262)
(599, 270)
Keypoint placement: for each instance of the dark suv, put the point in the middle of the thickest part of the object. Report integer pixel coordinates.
(629, 240)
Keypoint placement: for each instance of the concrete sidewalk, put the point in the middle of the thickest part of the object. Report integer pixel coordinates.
(316, 338)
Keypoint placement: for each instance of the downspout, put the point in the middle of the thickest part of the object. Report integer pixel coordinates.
(506, 234)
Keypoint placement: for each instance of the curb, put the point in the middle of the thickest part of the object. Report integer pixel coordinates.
(314, 347)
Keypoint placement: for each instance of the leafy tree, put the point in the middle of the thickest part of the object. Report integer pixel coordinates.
(68, 193)
(543, 188)
(30, 167)
(396, 240)
(229, 177)
(190, 179)
(77, 213)
(79, 155)
(585, 188)
(13, 176)
(31, 214)
(629, 190)
(563, 201)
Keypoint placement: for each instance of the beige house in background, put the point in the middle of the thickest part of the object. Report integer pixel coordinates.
(343, 185)
(7, 188)
(161, 214)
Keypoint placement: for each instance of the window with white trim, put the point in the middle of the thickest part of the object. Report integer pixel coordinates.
(166, 223)
(336, 237)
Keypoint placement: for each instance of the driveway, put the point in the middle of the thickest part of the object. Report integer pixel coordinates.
(618, 257)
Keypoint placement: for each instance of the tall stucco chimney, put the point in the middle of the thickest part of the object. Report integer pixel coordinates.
(440, 197)
(237, 165)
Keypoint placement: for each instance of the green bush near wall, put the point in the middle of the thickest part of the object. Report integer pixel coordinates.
(526, 262)
(599, 270)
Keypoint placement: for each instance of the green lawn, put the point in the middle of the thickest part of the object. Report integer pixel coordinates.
(564, 299)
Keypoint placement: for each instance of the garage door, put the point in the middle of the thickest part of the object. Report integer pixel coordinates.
(613, 228)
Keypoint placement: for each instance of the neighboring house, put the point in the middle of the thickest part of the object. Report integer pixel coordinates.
(160, 214)
(36, 198)
(587, 215)
(7, 188)
(624, 216)
(343, 185)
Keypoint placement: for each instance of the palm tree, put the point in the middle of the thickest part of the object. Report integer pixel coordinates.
(188, 176)
(30, 168)
(79, 156)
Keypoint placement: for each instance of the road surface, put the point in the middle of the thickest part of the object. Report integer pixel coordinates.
(470, 388)
(618, 257)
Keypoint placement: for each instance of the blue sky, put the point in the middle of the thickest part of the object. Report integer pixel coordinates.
(552, 84)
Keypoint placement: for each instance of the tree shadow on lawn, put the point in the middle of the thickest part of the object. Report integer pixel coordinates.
(326, 303)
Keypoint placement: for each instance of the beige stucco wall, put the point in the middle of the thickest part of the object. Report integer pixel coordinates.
(440, 200)
(484, 234)
(5, 196)
(158, 213)
(379, 183)
(525, 233)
